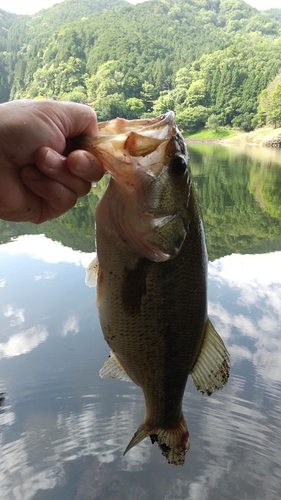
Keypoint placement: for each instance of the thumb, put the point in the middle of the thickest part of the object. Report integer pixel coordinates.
(77, 119)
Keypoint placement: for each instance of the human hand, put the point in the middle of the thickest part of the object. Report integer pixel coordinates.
(38, 183)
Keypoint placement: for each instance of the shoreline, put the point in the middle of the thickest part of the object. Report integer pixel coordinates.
(263, 137)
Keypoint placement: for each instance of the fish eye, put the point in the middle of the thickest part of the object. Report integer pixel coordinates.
(179, 165)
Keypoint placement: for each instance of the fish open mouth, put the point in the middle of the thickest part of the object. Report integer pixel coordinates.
(140, 155)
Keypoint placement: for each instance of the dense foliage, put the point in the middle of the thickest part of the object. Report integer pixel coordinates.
(201, 58)
(274, 14)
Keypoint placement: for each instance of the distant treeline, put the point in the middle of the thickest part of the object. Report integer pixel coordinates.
(197, 57)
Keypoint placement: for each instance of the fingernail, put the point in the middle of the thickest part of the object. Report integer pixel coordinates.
(51, 158)
(83, 164)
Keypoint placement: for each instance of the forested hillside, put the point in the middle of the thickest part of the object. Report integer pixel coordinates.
(274, 14)
(198, 57)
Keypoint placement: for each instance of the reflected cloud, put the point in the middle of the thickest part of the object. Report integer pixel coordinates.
(19, 480)
(251, 273)
(16, 315)
(40, 247)
(47, 275)
(233, 433)
(111, 436)
(197, 490)
(255, 285)
(7, 418)
(23, 342)
(70, 325)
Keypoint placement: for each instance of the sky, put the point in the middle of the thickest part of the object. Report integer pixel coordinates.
(33, 6)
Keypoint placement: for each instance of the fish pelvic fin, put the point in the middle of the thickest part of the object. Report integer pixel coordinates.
(211, 370)
(113, 369)
(92, 273)
(173, 442)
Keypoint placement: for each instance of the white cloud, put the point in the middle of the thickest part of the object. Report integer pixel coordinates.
(43, 248)
(7, 418)
(253, 270)
(2, 283)
(23, 342)
(47, 275)
(19, 480)
(16, 315)
(70, 325)
(256, 281)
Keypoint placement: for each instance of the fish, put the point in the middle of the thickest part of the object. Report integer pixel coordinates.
(151, 275)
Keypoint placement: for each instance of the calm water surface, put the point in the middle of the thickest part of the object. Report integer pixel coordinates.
(64, 430)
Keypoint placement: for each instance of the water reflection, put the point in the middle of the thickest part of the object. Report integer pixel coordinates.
(64, 429)
(253, 284)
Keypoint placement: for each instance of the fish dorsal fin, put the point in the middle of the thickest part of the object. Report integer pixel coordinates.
(113, 369)
(92, 273)
(211, 370)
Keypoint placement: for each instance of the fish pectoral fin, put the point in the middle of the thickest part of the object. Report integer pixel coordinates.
(92, 273)
(211, 370)
(113, 369)
(173, 443)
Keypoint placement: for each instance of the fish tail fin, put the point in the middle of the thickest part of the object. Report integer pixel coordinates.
(173, 442)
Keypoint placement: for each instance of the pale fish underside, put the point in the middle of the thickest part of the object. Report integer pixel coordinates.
(151, 274)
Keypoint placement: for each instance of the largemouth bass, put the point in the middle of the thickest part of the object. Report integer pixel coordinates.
(152, 276)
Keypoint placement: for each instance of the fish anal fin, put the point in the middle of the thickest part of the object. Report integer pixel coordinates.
(211, 370)
(173, 442)
(113, 369)
(139, 435)
(134, 288)
(92, 273)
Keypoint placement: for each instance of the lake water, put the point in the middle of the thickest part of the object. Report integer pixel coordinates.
(64, 429)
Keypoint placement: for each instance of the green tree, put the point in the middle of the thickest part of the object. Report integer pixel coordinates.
(269, 109)
(275, 114)
(110, 107)
(78, 94)
(192, 119)
(164, 103)
(196, 94)
(135, 108)
(212, 123)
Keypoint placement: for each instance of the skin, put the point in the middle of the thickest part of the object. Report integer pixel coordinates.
(38, 181)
